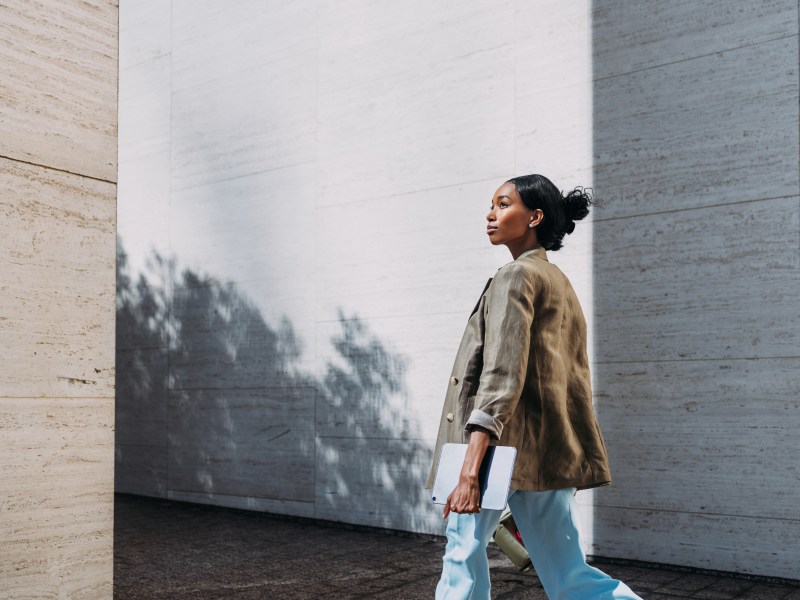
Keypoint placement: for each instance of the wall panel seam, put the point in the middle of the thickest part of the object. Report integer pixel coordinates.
(691, 58)
(691, 512)
(42, 166)
(416, 70)
(685, 360)
(687, 208)
(415, 191)
(386, 439)
(240, 176)
(242, 388)
(226, 495)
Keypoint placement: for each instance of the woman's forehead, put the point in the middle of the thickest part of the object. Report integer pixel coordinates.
(507, 189)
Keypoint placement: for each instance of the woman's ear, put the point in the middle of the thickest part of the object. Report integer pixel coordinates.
(536, 218)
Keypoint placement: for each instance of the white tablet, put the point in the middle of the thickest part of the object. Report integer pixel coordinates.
(494, 478)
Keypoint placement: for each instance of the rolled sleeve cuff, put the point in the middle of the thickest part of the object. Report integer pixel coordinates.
(485, 420)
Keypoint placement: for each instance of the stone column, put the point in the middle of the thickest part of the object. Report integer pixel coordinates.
(58, 173)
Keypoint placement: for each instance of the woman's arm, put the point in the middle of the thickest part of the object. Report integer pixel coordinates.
(509, 314)
(507, 340)
(466, 497)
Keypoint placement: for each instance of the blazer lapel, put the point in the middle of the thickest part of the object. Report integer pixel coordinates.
(479, 298)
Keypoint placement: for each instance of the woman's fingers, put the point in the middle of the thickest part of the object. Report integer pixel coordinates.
(462, 501)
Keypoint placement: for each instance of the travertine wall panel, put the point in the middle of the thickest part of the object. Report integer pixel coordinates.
(362, 41)
(140, 468)
(57, 502)
(144, 174)
(201, 54)
(144, 142)
(721, 434)
(553, 107)
(634, 36)
(696, 275)
(411, 253)
(58, 162)
(228, 127)
(63, 337)
(720, 542)
(700, 283)
(145, 33)
(142, 395)
(386, 480)
(60, 97)
(212, 224)
(717, 129)
(407, 113)
(145, 131)
(255, 442)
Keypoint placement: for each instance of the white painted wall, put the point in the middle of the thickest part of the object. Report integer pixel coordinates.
(302, 198)
(58, 141)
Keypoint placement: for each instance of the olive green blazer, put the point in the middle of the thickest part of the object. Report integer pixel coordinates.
(522, 372)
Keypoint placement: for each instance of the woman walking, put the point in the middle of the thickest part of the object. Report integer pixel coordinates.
(521, 378)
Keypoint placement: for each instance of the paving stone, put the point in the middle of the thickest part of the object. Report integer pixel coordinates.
(656, 579)
(762, 591)
(182, 551)
(725, 589)
(687, 585)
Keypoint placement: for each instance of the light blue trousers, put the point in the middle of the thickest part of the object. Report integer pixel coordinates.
(544, 520)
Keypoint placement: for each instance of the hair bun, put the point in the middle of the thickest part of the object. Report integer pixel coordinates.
(576, 207)
(560, 210)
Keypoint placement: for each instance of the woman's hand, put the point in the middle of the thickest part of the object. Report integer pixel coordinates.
(466, 498)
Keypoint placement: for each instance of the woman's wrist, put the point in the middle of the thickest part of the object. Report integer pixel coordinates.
(469, 478)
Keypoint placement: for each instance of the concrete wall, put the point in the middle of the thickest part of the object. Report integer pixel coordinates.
(302, 201)
(58, 136)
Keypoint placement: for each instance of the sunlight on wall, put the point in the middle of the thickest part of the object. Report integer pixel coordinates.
(341, 186)
(554, 137)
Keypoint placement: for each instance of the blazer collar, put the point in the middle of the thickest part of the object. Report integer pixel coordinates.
(538, 252)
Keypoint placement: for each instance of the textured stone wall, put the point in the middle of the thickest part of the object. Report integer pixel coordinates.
(302, 201)
(58, 156)
(697, 275)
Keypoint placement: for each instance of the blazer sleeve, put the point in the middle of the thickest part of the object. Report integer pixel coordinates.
(507, 339)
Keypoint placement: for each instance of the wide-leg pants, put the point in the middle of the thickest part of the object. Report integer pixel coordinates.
(544, 519)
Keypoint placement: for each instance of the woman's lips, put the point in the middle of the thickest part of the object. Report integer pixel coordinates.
(490, 229)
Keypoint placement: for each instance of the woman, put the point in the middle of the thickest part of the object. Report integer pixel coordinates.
(521, 378)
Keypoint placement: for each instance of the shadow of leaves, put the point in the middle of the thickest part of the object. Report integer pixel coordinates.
(214, 405)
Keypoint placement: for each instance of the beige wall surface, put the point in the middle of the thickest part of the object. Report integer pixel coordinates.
(58, 81)
(301, 237)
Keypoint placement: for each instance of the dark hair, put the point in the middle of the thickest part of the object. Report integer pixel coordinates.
(560, 211)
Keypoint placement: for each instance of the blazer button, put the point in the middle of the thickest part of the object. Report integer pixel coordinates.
(450, 417)
(454, 380)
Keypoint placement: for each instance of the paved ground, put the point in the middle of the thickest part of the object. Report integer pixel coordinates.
(180, 551)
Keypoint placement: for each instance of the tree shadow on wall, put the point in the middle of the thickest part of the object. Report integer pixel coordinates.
(215, 405)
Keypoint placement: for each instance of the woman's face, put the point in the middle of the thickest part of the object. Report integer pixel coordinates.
(508, 218)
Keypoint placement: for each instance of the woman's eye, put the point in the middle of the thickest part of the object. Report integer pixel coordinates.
(503, 204)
